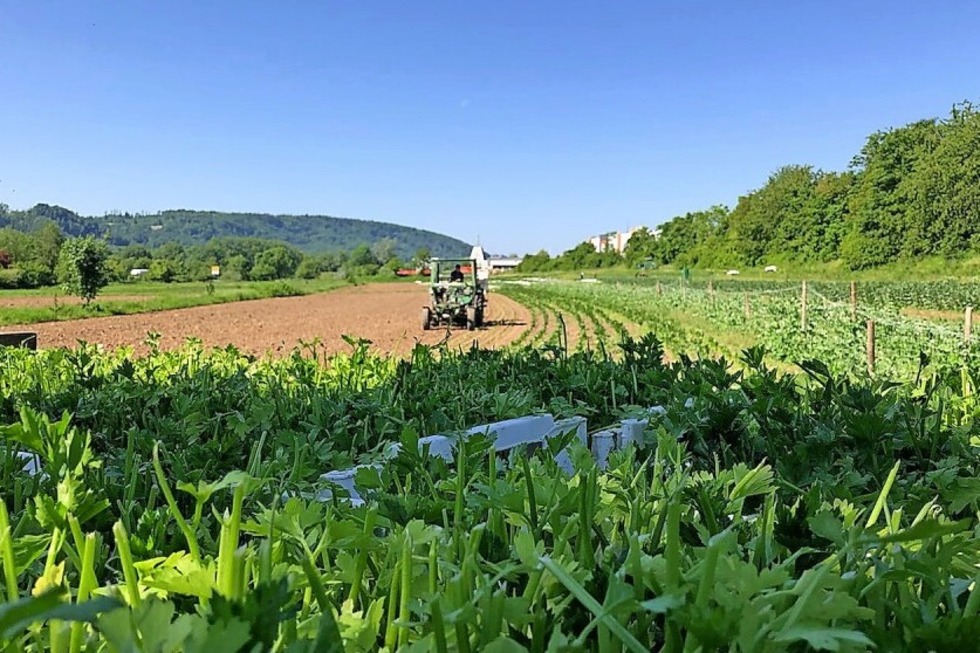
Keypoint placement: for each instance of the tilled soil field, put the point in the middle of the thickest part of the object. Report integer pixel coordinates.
(386, 314)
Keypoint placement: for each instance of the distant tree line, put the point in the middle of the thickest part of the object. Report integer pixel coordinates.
(580, 257)
(311, 234)
(911, 192)
(36, 258)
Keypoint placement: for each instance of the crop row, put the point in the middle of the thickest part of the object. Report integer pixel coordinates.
(707, 323)
(566, 326)
(945, 295)
(594, 327)
(771, 513)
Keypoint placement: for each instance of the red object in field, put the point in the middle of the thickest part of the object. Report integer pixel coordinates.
(412, 272)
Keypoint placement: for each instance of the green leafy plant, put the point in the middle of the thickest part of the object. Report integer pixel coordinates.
(82, 267)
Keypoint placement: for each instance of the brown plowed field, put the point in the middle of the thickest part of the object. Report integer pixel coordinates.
(389, 315)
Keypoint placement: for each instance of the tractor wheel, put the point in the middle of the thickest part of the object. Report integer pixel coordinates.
(479, 317)
(470, 319)
(426, 319)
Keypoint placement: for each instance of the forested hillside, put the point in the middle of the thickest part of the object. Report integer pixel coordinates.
(308, 233)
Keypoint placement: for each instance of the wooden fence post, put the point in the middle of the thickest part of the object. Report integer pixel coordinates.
(854, 300)
(803, 320)
(660, 290)
(748, 309)
(968, 324)
(871, 347)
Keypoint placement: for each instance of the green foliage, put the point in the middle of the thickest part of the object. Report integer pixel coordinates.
(34, 274)
(308, 268)
(911, 192)
(312, 234)
(130, 299)
(187, 244)
(277, 262)
(238, 259)
(789, 218)
(535, 262)
(421, 257)
(687, 240)
(384, 250)
(581, 257)
(166, 270)
(946, 189)
(690, 319)
(33, 255)
(884, 223)
(642, 246)
(770, 513)
(82, 267)
(361, 256)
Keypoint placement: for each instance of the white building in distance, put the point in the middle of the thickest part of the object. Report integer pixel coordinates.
(615, 241)
(486, 264)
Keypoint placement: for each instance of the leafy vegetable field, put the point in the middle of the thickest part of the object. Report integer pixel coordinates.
(946, 295)
(692, 320)
(173, 504)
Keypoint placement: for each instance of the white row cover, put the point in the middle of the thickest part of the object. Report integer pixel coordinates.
(512, 433)
(508, 434)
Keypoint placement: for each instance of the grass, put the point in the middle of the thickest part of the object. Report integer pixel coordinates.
(145, 297)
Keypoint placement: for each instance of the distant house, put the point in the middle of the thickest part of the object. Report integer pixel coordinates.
(615, 241)
(504, 264)
(487, 265)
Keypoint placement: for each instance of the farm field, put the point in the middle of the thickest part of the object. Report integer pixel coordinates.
(385, 314)
(51, 304)
(941, 294)
(727, 318)
(177, 499)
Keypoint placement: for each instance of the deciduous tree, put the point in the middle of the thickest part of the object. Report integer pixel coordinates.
(82, 267)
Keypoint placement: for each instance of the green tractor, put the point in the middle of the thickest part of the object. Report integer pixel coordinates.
(457, 297)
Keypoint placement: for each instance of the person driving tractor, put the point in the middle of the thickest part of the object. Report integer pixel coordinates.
(456, 274)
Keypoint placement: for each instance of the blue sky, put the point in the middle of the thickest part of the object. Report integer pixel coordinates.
(530, 124)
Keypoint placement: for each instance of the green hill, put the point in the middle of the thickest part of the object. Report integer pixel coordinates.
(310, 233)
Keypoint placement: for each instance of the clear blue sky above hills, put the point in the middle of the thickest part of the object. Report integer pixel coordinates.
(530, 124)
